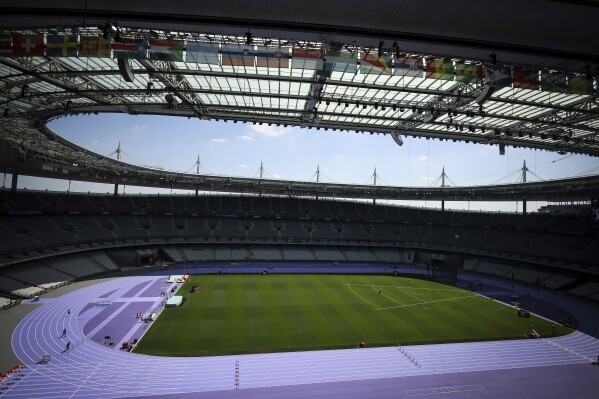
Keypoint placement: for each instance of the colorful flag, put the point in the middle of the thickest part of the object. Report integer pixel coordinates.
(5, 46)
(307, 58)
(272, 57)
(553, 81)
(94, 46)
(166, 50)
(202, 53)
(61, 45)
(579, 84)
(525, 78)
(408, 66)
(498, 76)
(131, 48)
(439, 69)
(238, 55)
(373, 64)
(468, 73)
(338, 61)
(27, 45)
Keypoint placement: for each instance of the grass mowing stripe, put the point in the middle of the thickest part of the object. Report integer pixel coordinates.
(254, 314)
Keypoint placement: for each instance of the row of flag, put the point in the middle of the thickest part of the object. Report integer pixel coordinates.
(29, 45)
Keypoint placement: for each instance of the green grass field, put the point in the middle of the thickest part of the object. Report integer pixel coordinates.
(235, 314)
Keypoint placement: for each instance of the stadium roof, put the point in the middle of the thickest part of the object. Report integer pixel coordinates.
(482, 74)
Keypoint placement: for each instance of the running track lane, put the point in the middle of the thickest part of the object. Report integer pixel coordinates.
(91, 370)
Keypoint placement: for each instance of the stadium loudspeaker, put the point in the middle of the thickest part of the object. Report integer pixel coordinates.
(397, 138)
(125, 69)
(410, 257)
(501, 149)
(485, 94)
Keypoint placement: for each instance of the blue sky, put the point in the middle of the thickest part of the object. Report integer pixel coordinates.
(292, 153)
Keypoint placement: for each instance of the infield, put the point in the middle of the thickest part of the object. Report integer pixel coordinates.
(233, 314)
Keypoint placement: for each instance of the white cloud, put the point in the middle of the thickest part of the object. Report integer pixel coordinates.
(138, 127)
(420, 158)
(424, 178)
(275, 176)
(270, 131)
(96, 141)
(219, 141)
(241, 165)
(338, 157)
(247, 137)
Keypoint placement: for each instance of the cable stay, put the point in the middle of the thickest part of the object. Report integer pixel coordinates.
(442, 179)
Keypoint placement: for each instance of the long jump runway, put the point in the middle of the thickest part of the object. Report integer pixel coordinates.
(92, 369)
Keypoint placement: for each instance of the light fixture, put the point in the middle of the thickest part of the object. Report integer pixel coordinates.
(171, 101)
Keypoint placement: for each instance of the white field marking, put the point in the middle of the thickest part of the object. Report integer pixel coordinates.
(84, 381)
(388, 297)
(426, 303)
(354, 292)
(564, 348)
(412, 288)
(502, 308)
(418, 299)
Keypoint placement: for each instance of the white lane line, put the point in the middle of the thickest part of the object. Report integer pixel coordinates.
(427, 303)
(379, 289)
(568, 350)
(365, 300)
(413, 288)
(418, 299)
